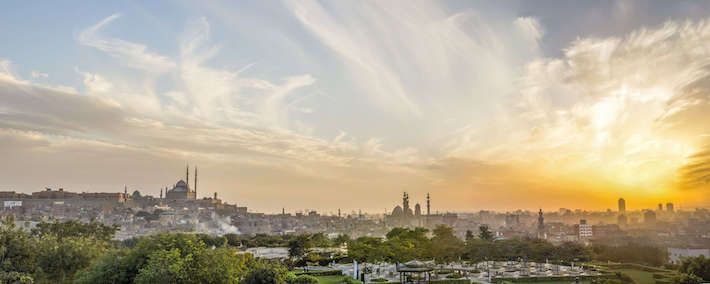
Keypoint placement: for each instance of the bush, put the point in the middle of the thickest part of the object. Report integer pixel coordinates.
(452, 281)
(378, 280)
(304, 279)
(321, 273)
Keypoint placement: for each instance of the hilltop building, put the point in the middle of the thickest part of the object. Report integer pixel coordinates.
(181, 190)
(404, 216)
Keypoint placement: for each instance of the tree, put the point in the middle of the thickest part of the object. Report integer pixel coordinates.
(698, 266)
(59, 260)
(73, 228)
(168, 258)
(106, 269)
(299, 246)
(469, 235)
(685, 278)
(367, 249)
(17, 249)
(164, 266)
(484, 233)
(404, 244)
(445, 246)
(304, 279)
(266, 273)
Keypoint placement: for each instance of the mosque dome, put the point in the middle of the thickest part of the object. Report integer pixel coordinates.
(180, 186)
(397, 211)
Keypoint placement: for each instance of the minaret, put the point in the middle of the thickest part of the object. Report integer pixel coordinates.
(196, 183)
(540, 225)
(428, 204)
(187, 175)
(161, 193)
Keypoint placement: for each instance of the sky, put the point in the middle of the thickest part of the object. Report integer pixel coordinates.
(495, 105)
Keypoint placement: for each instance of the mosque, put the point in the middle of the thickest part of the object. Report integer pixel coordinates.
(181, 190)
(404, 215)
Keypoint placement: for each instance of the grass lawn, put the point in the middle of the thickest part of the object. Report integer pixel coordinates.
(331, 279)
(553, 282)
(639, 276)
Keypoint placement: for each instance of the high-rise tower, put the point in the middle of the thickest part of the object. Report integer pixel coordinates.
(195, 189)
(540, 224)
(428, 205)
(622, 205)
(405, 203)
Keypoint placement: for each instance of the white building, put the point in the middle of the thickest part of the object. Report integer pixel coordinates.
(585, 230)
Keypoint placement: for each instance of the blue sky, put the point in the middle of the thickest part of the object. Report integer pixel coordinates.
(345, 99)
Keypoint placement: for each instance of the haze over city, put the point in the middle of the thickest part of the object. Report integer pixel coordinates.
(344, 105)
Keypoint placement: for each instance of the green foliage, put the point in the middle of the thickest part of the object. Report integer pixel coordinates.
(685, 278)
(322, 272)
(266, 273)
(367, 249)
(403, 244)
(698, 266)
(53, 252)
(75, 229)
(484, 233)
(59, 259)
(169, 258)
(525, 248)
(631, 252)
(17, 251)
(15, 277)
(164, 266)
(106, 269)
(445, 246)
(298, 247)
(304, 279)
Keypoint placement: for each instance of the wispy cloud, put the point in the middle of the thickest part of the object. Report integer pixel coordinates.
(130, 54)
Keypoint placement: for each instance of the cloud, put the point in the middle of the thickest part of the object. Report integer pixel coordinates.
(622, 111)
(530, 28)
(133, 55)
(418, 60)
(36, 74)
(696, 172)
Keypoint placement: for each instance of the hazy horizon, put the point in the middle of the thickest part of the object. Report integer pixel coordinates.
(326, 105)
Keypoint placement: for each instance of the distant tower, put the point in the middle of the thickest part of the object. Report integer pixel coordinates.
(125, 190)
(405, 202)
(669, 207)
(283, 211)
(540, 224)
(428, 204)
(622, 205)
(196, 185)
(417, 210)
(161, 193)
(338, 212)
(187, 175)
(660, 206)
(649, 217)
(621, 220)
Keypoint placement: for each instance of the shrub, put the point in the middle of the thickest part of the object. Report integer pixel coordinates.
(304, 279)
(321, 273)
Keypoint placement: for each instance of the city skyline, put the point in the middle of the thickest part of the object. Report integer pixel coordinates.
(303, 104)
